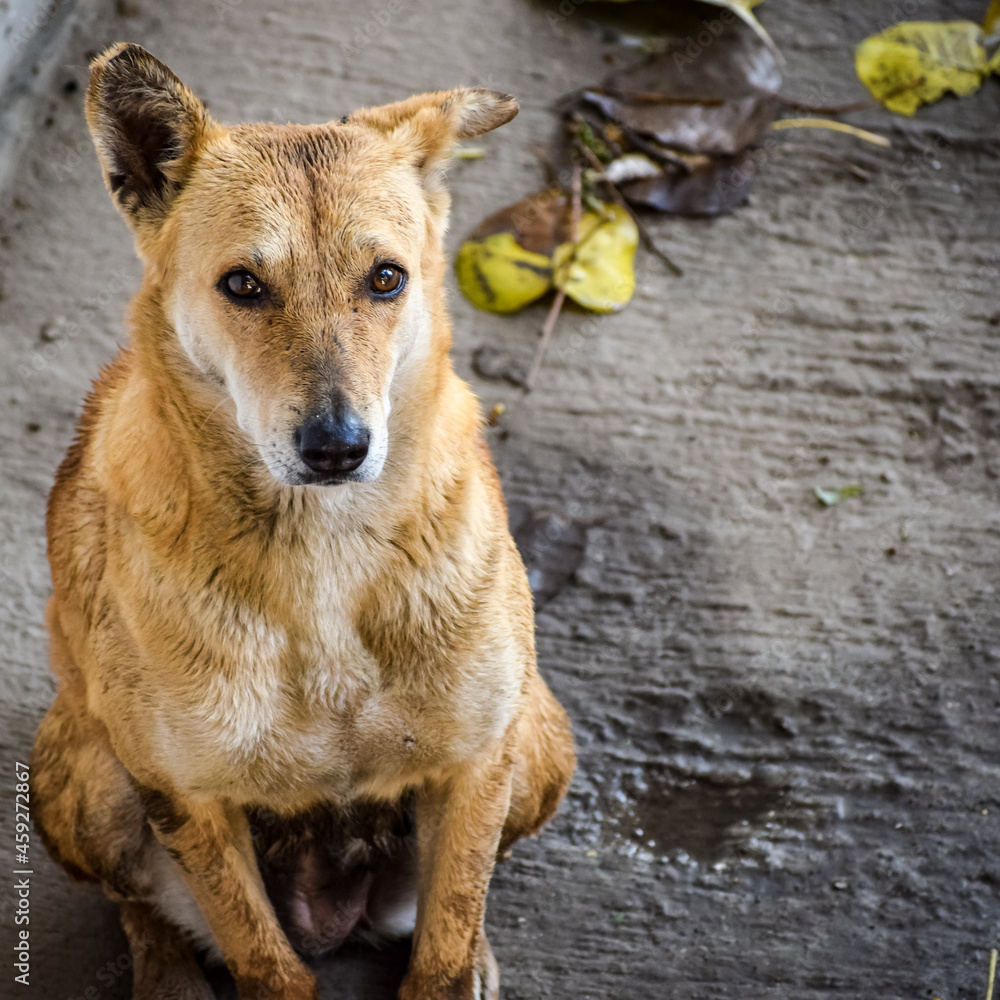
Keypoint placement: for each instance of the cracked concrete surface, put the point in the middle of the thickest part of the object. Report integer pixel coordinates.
(798, 707)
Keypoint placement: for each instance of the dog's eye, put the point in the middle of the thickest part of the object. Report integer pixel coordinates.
(387, 279)
(242, 285)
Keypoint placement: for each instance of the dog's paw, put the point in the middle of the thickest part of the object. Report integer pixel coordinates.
(300, 985)
(187, 983)
(485, 974)
(480, 980)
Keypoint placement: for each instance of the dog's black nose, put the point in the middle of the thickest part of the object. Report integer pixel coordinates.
(333, 442)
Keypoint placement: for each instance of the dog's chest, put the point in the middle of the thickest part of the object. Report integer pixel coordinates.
(291, 708)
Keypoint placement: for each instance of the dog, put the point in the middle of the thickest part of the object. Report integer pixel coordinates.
(297, 691)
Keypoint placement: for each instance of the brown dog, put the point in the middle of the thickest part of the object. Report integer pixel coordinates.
(292, 633)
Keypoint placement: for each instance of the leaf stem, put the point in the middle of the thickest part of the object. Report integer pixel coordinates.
(834, 126)
(576, 210)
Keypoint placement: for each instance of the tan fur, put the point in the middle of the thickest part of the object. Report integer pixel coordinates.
(226, 639)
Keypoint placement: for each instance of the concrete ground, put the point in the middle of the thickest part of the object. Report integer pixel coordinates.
(788, 717)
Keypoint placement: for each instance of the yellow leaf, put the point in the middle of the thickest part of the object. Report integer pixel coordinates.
(597, 272)
(992, 20)
(498, 275)
(917, 62)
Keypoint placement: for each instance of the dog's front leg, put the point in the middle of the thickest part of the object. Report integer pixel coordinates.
(212, 845)
(459, 821)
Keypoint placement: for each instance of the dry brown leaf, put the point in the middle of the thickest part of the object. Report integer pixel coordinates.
(717, 102)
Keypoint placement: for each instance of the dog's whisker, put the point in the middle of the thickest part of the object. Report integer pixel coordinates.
(211, 413)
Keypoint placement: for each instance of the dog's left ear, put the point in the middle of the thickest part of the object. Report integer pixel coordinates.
(428, 125)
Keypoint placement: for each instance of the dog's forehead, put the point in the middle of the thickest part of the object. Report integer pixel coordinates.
(293, 177)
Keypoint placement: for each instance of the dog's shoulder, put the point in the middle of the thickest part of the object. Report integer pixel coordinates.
(109, 381)
(75, 515)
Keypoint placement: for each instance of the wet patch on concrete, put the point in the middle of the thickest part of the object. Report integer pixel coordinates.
(700, 819)
(650, 810)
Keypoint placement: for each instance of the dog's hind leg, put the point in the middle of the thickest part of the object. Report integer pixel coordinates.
(163, 960)
(102, 826)
(84, 805)
(91, 818)
(544, 761)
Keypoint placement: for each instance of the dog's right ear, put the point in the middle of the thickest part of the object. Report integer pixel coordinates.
(147, 127)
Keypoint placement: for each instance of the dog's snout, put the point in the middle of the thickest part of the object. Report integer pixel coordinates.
(333, 442)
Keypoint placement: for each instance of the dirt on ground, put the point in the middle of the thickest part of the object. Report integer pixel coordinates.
(788, 716)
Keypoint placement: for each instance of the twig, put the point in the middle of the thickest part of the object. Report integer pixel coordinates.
(543, 343)
(557, 303)
(993, 974)
(644, 233)
(825, 154)
(591, 157)
(655, 152)
(576, 206)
